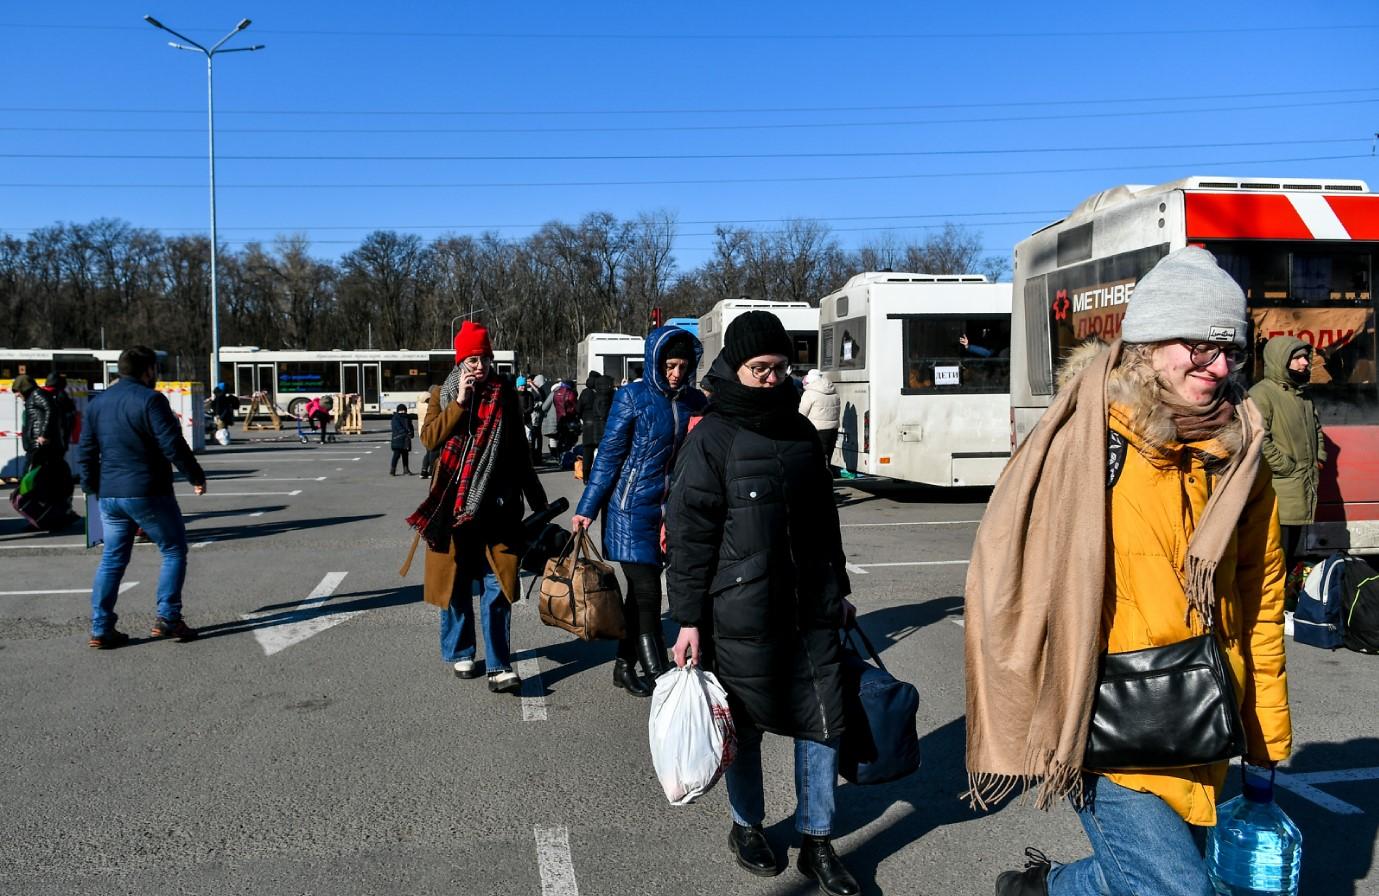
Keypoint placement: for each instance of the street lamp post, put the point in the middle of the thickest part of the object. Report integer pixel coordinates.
(466, 316)
(210, 128)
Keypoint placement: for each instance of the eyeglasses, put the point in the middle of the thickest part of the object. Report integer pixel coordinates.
(762, 371)
(1204, 354)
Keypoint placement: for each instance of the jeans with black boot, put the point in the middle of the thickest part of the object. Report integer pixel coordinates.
(816, 773)
(642, 616)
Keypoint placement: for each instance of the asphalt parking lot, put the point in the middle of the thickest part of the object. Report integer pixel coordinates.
(313, 742)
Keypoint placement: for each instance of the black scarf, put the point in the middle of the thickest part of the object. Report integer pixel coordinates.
(773, 412)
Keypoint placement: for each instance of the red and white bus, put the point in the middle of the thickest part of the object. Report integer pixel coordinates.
(1303, 250)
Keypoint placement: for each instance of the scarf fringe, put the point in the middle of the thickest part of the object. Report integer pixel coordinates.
(1201, 588)
(1056, 781)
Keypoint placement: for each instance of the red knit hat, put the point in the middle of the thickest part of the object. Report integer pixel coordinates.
(472, 340)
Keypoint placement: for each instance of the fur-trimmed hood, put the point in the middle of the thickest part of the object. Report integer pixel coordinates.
(1137, 392)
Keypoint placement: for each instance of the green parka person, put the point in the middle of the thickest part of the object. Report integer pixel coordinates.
(1293, 443)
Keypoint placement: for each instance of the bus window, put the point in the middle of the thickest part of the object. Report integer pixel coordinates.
(805, 351)
(952, 354)
(405, 376)
(316, 377)
(842, 345)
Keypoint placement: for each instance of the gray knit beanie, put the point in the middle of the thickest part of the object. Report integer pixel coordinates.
(1186, 296)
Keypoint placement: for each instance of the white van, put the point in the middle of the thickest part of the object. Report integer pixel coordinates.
(616, 354)
(801, 321)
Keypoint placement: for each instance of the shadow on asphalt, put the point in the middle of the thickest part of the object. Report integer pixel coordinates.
(352, 602)
(892, 624)
(1337, 850)
(263, 530)
(211, 514)
(568, 658)
(931, 798)
(910, 493)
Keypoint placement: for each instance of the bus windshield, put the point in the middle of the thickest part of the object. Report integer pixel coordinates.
(1321, 293)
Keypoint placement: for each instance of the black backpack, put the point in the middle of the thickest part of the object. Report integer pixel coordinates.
(1360, 606)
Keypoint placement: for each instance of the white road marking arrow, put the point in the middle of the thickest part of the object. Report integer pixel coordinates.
(302, 621)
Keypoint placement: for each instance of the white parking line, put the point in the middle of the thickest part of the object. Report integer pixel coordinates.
(257, 513)
(918, 523)
(959, 621)
(283, 635)
(268, 479)
(854, 569)
(124, 586)
(554, 861)
(1301, 784)
(917, 563)
(215, 494)
(533, 701)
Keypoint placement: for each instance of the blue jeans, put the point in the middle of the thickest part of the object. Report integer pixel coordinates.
(457, 626)
(161, 519)
(816, 773)
(1139, 846)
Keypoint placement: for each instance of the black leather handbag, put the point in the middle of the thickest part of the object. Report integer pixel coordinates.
(1165, 707)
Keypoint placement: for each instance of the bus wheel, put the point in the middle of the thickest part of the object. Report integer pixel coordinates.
(297, 407)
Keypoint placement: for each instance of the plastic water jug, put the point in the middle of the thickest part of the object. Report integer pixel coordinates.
(1255, 849)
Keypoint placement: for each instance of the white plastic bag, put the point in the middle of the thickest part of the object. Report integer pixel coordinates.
(691, 731)
(222, 436)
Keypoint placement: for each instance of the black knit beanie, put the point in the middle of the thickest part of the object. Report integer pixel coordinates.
(680, 347)
(755, 333)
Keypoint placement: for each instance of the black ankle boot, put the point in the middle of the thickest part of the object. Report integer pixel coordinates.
(1033, 881)
(751, 850)
(819, 861)
(651, 650)
(625, 676)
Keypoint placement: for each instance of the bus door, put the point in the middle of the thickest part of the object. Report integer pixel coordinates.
(364, 380)
(244, 382)
(268, 381)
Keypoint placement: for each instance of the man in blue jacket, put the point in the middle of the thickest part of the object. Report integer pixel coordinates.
(128, 446)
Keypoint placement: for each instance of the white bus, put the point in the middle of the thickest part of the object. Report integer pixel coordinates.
(614, 354)
(922, 367)
(1303, 251)
(801, 321)
(383, 379)
(97, 366)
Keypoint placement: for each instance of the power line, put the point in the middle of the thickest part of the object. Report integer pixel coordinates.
(689, 128)
(645, 157)
(284, 228)
(968, 104)
(678, 181)
(880, 228)
(741, 36)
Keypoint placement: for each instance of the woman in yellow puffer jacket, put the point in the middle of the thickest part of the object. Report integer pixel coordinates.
(1188, 545)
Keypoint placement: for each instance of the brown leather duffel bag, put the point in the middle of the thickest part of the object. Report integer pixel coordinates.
(580, 592)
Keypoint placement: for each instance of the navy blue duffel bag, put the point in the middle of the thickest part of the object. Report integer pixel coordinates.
(880, 742)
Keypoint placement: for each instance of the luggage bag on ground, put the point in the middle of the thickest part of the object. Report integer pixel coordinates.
(879, 742)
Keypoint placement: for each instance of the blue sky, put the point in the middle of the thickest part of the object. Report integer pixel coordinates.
(868, 116)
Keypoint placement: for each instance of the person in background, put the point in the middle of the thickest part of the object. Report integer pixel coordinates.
(68, 422)
(593, 405)
(628, 483)
(129, 444)
(1180, 539)
(566, 407)
(401, 441)
(758, 584)
(822, 407)
(1294, 446)
(471, 519)
(224, 406)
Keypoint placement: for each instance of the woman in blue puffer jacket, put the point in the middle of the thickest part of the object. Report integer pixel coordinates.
(629, 483)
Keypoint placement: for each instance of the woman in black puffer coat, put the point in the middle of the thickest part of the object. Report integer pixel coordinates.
(757, 581)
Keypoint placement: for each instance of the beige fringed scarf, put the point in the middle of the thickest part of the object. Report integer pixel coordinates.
(1035, 591)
